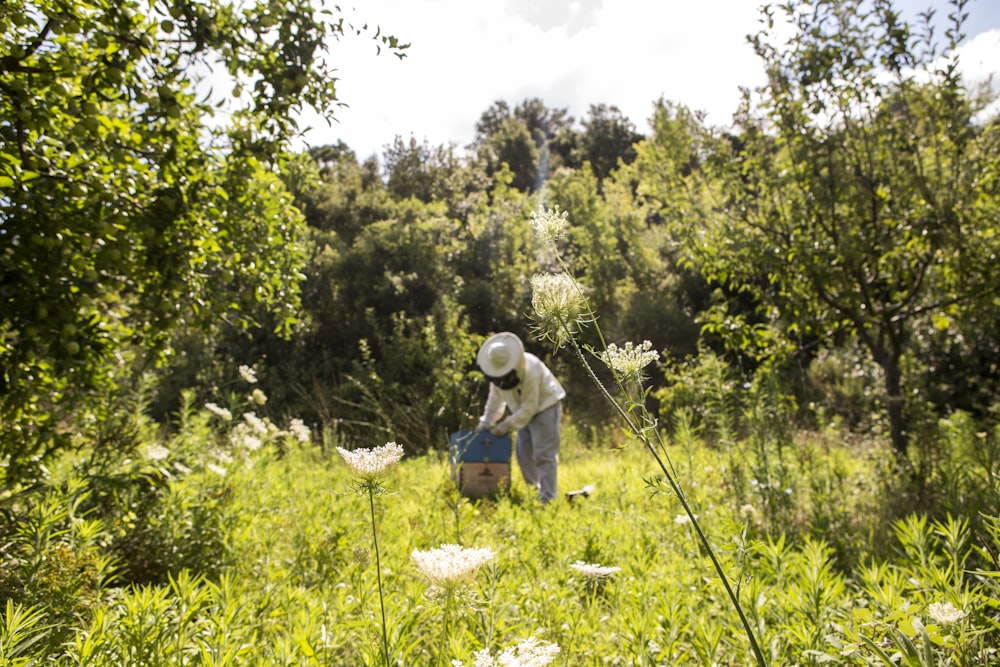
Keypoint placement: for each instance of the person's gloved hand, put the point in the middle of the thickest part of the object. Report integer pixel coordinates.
(481, 426)
(500, 429)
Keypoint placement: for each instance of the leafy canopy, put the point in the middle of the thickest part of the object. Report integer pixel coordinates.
(128, 205)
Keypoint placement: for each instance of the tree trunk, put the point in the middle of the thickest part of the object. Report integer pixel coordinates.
(894, 404)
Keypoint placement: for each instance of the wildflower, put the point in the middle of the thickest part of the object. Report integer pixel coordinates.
(245, 439)
(155, 452)
(549, 225)
(595, 571)
(298, 428)
(370, 464)
(559, 305)
(248, 374)
(217, 469)
(529, 653)
(258, 397)
(255, 423)
(220, 412)
(629, 361)
(945, 613)
(450, 564)
(682, 519)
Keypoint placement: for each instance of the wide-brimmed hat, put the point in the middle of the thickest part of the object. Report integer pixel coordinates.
(500, 354)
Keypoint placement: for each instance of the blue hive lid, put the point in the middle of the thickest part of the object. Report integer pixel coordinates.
(481, 446)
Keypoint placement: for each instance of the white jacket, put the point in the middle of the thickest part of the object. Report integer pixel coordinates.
(538, 390)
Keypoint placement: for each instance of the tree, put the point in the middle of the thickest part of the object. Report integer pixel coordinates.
(127, 210)
(513, 145)
(608, 137)
(855, 202)
(532, 139)
(431, 174)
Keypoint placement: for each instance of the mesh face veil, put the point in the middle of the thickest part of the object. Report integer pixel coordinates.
(508, 380)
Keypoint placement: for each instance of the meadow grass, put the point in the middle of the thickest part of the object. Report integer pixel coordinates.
(299, 584)
(235, 542)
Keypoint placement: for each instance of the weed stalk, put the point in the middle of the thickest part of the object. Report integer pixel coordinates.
(378, 573)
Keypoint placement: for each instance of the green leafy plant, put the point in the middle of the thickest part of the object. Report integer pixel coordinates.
(23, 628)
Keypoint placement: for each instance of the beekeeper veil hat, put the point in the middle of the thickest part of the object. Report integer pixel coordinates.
(500, 354)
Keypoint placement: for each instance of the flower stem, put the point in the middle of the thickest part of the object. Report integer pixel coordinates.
(679, 492)
(378, 571)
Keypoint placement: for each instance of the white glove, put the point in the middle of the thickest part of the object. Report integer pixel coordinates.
(500, 429)
(481, 426)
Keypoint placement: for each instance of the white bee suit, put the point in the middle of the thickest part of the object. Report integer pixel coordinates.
(535, 414)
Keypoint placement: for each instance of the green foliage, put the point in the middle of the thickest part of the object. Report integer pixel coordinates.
(127, 211)
(21, 630)
(850, 199)
(53, 572)
(608, 140)
(304, 588)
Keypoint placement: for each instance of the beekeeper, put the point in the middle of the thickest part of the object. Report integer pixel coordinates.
(520, 381)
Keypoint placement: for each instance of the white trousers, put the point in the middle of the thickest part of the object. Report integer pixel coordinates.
(538, 451)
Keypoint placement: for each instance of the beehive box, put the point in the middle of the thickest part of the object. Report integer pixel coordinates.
(480, 463)
(483, 480)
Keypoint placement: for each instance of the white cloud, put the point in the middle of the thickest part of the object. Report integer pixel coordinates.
(572, 16)
(979, 57)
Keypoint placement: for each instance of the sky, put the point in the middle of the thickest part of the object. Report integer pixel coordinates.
(467, 54)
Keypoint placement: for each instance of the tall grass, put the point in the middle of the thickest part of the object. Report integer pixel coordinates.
(236, 542)
(301, 586)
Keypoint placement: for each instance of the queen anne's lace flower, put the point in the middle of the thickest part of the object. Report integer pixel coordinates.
(369, 464)
(298, 428)
(248, 374)
(629, 361)
(945, 613)
(155, 452)
(219, 412)
(595, 571)
(549, 225)
(242, 436)
(559, 305)
(258, 397)
(529, 653)
(450, 564)
(256, 423)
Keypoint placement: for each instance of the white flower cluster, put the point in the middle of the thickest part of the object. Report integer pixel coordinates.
(629, 361)
(221, 413)
(549, 225)
(593, 571)
(258, 397)
(156, 452)
(529, 653)
(369, 464)
(559, 304)
(450, 564)
(243, 435)
(945, 613)
(258, 425)
(299, 429)
(248, 374)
